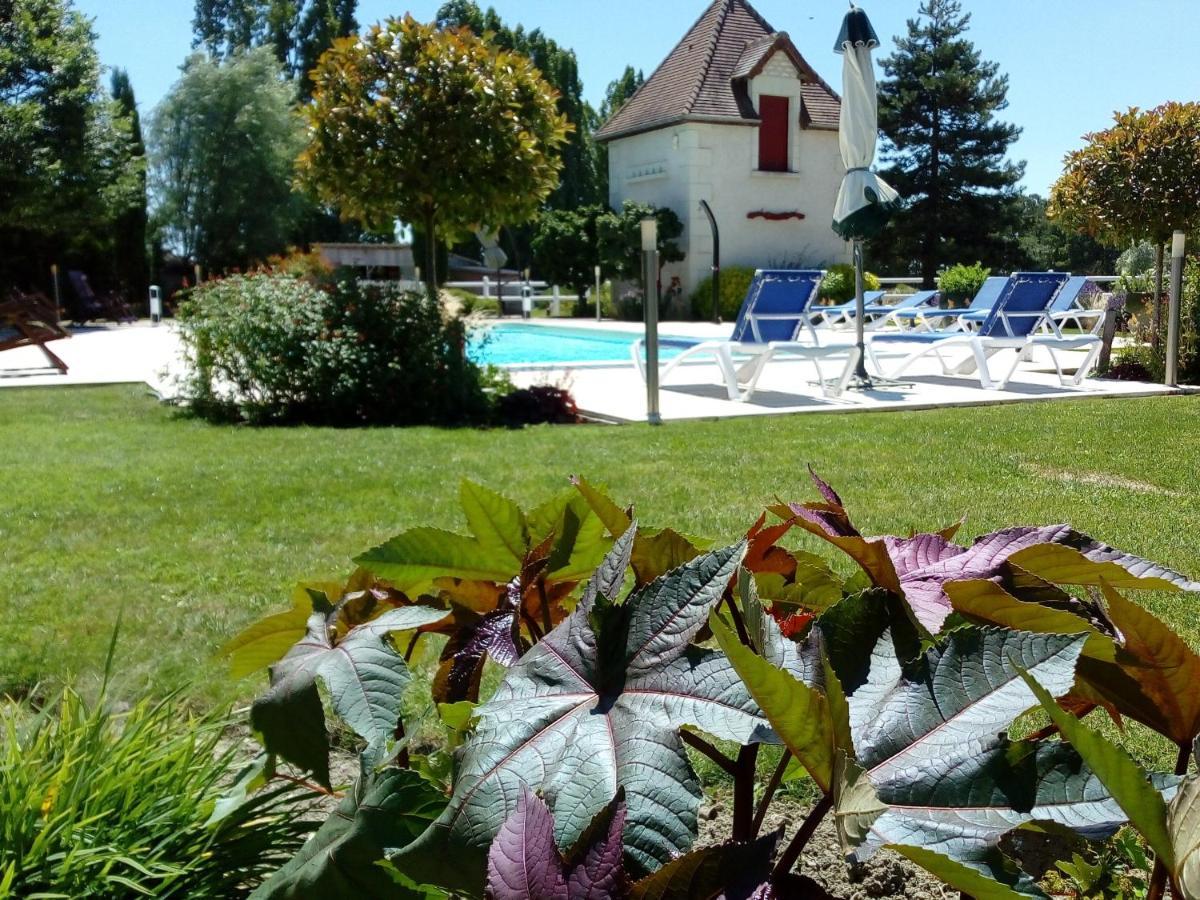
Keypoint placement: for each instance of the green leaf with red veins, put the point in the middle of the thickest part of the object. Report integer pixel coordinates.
(930, 741)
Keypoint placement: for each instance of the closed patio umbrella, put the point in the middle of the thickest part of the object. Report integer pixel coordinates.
(864, 202)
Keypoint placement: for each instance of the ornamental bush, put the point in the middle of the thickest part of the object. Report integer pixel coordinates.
(960, 283)
(838, 284)
(624, 646)
(268, 348)
(735, 281)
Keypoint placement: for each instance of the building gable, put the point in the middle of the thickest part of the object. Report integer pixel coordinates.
(704, 78)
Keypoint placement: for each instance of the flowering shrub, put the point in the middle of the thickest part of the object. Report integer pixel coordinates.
(268, 348)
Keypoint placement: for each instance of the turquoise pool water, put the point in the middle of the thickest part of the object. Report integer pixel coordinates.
(516, 344)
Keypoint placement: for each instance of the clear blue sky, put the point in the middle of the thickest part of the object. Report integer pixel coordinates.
(1070, 63)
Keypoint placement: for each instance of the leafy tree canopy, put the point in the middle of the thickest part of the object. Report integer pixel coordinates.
(619, 91)
(944, 150)
(129, 238)
(566, 246)
(581, 182)
(1048, 245)
(435, 127)
(1139, 179)
(67, 165)
(222, 144)
(621, 238)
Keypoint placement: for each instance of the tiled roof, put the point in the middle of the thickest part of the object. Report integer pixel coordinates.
(704, 77)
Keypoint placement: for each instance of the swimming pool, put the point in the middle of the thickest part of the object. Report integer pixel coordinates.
(520, 344)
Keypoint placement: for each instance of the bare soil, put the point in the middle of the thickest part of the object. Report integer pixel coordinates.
(886, 875)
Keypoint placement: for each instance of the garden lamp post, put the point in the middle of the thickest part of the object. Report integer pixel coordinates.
(597, 271)
(650, 276)
(1178, 241)
(864, 201)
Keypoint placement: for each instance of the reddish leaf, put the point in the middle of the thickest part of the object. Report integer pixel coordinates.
(792, 624)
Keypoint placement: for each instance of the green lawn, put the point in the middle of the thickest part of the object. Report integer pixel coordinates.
(112, 503)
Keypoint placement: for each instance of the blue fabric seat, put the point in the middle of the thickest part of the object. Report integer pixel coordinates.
(776, 313)
(1024, 306)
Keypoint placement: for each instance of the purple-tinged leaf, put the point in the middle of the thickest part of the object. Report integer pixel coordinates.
(599, 870)
(912, 554)
(825, 490)
(919, 567)
(524, 863)
(595, 706)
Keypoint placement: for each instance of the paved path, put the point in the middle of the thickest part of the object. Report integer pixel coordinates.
(150, 354)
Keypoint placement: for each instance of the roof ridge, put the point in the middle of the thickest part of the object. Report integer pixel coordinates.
(713, 40)
(698, 79)
(662, 62)
(757, 15)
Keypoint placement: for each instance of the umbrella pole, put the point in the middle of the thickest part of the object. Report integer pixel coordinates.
(861, 377)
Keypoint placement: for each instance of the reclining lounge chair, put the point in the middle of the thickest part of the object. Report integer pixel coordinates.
(91, 305)
(1023, 307)
(27, 321)
(776, 311)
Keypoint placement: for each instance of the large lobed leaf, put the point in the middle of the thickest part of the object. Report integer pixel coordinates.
(342, 858)
(655, 551)
(501, 536)
(364, 675)
(596, 706)
(1128, 783)
(798, 713)
(1183, 826)
(935, 769)
(1133, 664)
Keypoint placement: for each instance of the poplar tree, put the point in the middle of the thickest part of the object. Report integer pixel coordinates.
(944, 149)
(129, 231)
(298, 31)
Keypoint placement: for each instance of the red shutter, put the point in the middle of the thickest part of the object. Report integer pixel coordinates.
(773, 134)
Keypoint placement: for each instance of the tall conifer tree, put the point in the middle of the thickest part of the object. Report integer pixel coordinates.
(944, 149)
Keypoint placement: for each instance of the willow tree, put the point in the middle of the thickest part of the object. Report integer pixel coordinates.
(1138, 180)
(436, 127)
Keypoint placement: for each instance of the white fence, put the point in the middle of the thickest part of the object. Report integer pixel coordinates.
(523, 294)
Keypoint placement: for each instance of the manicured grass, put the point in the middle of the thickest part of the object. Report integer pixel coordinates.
(113, 503)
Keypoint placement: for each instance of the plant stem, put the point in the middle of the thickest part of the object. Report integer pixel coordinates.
(769, 793)
(412, 645)
(402, 759)
(1050, 730)
(541, 586)
(698, 743)
(738, 622)
(743, 793)
(312, 786)
(534, 631)
(1158, 882)
(794, 849)
(1160, 876)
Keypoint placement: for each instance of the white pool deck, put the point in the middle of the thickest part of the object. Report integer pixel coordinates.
(145, 353)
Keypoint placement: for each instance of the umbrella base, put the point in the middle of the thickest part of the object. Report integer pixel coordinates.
(875, 383)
